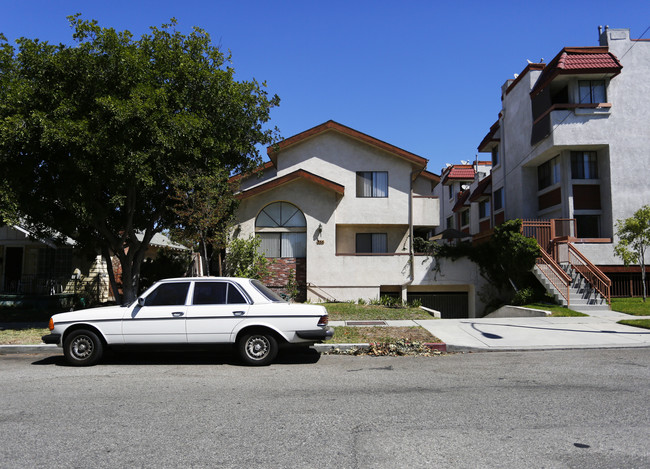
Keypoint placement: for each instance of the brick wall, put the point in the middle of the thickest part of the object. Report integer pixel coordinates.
(280, 268)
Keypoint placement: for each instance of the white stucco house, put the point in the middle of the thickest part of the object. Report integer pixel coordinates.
(571, 144)
(341, 209)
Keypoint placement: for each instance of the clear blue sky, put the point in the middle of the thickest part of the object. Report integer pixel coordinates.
(422, 75)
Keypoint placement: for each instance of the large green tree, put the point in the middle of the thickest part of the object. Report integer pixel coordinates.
(94, 135)
(634, 239)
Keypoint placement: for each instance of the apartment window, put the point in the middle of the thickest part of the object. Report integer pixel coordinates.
(372, 184)
(548, 173)
(498, 199)
(592, 91)
(484, 209)
(450, 222)
(464, 218)
(495, 155)
(587, 226)
(450, 191)
(282, 229)
(584, 165)
(371, 243)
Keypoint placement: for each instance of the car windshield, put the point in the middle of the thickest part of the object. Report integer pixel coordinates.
(267, 292)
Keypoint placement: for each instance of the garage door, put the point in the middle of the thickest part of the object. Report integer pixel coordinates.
(452, 305)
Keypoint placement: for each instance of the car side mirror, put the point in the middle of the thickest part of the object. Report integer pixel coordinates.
(141, 301)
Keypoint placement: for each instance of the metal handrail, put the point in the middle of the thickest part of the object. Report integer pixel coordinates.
(563, 278)
(596, 278)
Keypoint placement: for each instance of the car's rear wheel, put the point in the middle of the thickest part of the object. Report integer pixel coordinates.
(82, 348)
(258, 348)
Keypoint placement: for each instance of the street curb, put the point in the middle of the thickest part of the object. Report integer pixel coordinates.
(27, 348)
(441, 347)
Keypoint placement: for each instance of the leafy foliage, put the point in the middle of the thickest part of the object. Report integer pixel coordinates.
(634, 239)
(205, 206)
(94, 136)
(505, 260)
(245, 260)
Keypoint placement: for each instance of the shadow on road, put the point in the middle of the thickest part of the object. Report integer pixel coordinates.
(207, 356)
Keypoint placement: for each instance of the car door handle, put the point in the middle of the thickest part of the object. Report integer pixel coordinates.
(177, 314)
(238, 313)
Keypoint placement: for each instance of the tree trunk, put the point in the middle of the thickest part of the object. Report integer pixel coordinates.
(111, 274)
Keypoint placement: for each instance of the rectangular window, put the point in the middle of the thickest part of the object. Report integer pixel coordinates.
(372, 184)
(592, 91)
(484, 209)
(495, 155)
(450, 222)
(588, 226)
(548, 173)
(451, 191)
(584, 165)
(283, 244)
(371, 243)
(498, 199)
(464, 218)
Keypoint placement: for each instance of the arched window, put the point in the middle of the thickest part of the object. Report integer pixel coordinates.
(283, 230)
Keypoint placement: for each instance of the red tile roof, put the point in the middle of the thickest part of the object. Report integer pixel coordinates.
(462, 172)
(578, 60)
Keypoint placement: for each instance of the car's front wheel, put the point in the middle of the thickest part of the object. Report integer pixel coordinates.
(82, 348)
(257, 348)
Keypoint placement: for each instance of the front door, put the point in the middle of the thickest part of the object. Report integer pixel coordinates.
(13, 269)
(161, 320)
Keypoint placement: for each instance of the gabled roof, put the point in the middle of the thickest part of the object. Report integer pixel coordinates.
(578, 60)
(483, 189)
(458, 172)
(298, 174)
(331, 125)
(430, 176)
(237, 177)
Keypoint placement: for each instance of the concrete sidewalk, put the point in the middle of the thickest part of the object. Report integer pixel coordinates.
(600, 330)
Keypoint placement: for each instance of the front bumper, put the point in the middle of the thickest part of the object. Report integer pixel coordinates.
(52, 339)
(317, 335)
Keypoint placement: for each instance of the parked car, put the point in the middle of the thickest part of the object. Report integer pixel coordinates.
(193, 310)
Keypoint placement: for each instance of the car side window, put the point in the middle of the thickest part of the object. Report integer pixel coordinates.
(234, 296)
(216, 293)
(210, 293)
(168, 294)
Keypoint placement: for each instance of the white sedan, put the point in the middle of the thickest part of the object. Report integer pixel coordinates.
(193, 310)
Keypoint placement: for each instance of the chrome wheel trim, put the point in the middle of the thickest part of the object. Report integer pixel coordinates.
(258, 347)
(82, 347)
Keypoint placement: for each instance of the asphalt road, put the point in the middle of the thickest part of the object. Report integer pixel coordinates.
(584, 408)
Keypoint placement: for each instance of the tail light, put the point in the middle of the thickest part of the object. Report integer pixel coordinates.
(324, 320)
(51, 324)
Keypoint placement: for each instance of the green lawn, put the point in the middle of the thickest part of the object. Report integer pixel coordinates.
(634, 306)
(556, 310)
(350, 311)
(644, 323)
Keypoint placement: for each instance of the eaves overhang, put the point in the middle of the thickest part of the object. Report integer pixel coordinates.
(330, 126)
(287, 178)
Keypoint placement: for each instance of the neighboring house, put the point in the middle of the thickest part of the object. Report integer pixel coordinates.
(31, 266)
(571, 144)
(339, 210)
(457, 183)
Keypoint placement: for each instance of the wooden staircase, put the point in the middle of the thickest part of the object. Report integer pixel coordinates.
(564, 271)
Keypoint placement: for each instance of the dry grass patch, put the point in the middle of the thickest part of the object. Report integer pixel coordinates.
(22, 336)
(363, 335)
